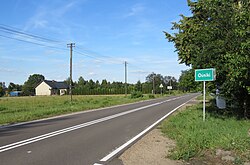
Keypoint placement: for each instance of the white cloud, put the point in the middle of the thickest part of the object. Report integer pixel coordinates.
(92, 74)
(135, 10)
(47, 16)
(139, 72)
(7, 70)
(14, 58)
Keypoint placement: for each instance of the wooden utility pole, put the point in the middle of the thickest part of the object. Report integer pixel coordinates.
(71, 45)
(153, 84)
(126, 90)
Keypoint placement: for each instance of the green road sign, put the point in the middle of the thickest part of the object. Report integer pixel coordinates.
(205, 74)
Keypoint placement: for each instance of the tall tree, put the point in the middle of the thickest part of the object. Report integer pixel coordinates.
(156, 80)
(138, 86)
(30, 85)
(170, 81)
(186, 81)
(217, 36)
(14, 87)
(81, 82)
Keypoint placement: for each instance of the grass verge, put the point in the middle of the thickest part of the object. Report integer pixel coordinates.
(20, 109)
(194, 137)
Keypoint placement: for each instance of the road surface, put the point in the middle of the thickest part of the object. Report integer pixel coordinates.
(87, 138)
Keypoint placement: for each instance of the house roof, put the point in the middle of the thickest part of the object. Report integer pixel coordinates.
(56, 85)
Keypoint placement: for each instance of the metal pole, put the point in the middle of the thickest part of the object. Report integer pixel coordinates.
(204, 99)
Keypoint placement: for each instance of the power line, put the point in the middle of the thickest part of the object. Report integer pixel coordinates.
(32, 42)
(97, 58)
(140, 69)
(11, 30)
(42, 41)
(100, 55)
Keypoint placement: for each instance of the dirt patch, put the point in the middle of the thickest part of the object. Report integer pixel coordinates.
(151, 149)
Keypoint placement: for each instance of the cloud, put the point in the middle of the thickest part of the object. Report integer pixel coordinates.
(135, 10)
(7, 70)
(40, 23)
(139, 72)
(46, 16)
(14, 58)
(92, 73)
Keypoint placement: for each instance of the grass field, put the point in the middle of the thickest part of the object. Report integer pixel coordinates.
(195, 137)
(20, 109)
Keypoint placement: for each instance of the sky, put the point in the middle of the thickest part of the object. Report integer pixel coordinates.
(34, 37)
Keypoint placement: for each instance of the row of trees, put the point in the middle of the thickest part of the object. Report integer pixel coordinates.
(90, 87)
(217, 36)
(153, 81)
(28, 88)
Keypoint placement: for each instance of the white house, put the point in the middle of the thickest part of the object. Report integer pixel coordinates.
(48, 88)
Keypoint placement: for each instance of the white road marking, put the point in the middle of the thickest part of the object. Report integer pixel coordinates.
(69, 129)
(122, 147)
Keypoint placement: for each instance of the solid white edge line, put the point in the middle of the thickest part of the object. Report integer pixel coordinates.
(116, 151)
(69, 129)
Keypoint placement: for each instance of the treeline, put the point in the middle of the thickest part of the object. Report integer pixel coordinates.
(152, 85)
(91, 87)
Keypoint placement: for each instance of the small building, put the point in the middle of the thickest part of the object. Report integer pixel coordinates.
(47, 88)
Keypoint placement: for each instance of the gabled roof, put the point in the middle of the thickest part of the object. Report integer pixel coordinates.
(56, 85)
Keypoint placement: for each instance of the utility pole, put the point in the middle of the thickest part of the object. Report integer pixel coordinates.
(170, 85)
(153, 84)
(126, 90)
(71, 45)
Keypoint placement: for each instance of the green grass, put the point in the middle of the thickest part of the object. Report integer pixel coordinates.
(194, 137)
(19, 109)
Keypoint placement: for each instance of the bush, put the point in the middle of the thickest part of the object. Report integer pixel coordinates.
(136, 94)
(151, 96)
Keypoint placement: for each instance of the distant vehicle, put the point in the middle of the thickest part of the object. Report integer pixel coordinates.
(15, 93)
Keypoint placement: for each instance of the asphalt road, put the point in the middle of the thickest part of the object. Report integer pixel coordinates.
(88, 138)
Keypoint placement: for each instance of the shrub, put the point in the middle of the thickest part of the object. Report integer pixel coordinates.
(151, 96)
(136, 94)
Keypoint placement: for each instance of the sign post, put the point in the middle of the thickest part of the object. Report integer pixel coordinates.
(161, 86)
(205, 75)
(169, 88)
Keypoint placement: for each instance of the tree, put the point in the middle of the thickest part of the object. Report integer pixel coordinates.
(30, 85)
(170, 81)
(104, 83)
(2, 90)
(14, 87)
(156, 80)
(186, 81)
(217, 36)
(81, 82)
(138, 86)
